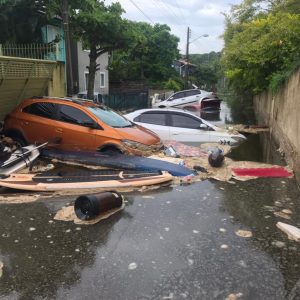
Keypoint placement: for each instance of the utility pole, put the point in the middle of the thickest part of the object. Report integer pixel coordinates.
(65, 9)
(187, 58)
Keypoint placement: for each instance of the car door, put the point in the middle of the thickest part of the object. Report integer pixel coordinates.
(191, 96)
(176, 100)
(70, 127)
(186, 128)
(38, 121)
(156, 122)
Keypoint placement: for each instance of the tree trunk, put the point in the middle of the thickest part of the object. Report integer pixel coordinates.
(92, 72)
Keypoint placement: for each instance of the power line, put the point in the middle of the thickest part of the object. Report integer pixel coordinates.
(184, 19)
(141, 11)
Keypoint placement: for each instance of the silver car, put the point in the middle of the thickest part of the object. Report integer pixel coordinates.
(195, 99)
(183, 126)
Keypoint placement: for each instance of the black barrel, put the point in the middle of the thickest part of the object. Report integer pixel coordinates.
(88, 207)
(216, 157)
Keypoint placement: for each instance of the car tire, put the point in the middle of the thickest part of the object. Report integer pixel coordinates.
(110, 150)
(18, 138)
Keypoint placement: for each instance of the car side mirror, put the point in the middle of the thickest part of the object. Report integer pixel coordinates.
(91, 124)
(203, 126)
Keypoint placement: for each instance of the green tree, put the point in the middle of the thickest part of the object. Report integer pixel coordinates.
(261, 44)
(149, 58)
(21, 21)
(101, 29)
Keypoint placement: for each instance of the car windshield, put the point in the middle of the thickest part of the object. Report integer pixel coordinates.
(110, 117)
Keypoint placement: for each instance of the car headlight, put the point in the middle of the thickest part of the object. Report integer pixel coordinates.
(132, 144)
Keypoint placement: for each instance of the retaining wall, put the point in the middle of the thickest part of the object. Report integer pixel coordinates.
(281, 112)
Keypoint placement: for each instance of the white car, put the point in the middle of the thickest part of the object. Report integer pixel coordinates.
(98, 98)
(182, 126)
(194, 98)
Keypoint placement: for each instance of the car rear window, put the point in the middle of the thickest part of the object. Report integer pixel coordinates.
(153, 118)
(42, 109)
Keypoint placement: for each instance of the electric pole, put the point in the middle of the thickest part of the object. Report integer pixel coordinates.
(187, 58)
(65, 6)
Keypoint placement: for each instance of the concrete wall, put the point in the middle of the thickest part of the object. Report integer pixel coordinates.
(83, 63)
(57, 85)
(281, 113)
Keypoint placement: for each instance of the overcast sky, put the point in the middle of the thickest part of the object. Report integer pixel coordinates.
(202, 16)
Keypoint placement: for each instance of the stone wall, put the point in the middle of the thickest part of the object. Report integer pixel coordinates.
(281, 112)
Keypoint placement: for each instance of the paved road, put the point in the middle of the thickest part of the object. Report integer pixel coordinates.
(174, 243)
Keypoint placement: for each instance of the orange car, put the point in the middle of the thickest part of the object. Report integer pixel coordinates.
(80, 125)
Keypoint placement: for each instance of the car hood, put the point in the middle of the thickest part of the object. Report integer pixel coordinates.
(139, 134)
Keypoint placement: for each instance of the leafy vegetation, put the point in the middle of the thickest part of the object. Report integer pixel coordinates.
(262, 42)
(149, 57)
(101, 29)
(21, 21)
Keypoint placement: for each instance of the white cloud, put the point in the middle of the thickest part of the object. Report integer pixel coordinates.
(201, 16)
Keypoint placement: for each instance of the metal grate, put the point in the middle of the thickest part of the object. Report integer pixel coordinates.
(12, 69)
(50, 51)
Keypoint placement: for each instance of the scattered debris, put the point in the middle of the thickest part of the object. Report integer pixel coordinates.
(244, 233)
(148, 197)
(18, 198)
(254, 129)
(132, 266)
(184, 150)
(224, 246)
(216, 157)
(278, 244)
(89, 207)
(170, 151)
(282, 215)
(1, 268)
(174, 160)
(234, 296)
(273, 171)
(99, 179)
(67, 214)
(292, 232)
(287, 211)
(207, 146)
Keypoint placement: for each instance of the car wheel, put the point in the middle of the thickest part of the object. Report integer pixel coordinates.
(18, 139)
(110, 150)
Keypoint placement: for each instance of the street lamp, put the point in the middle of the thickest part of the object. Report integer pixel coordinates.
(187, 54)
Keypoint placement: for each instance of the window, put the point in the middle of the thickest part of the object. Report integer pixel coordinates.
(192, 93)
(178, 120)
(86, 79)
(42, 109)
(177, 96)
(153, 118)
(102, 80)
(109, 117)
(73, 115)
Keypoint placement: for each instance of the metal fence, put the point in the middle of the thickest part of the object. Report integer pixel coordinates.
(50, 51)
(127, 102)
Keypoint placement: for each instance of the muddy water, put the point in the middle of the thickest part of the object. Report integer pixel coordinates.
(178, 242)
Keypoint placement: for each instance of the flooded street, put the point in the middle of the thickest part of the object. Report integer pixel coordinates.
(208, 240)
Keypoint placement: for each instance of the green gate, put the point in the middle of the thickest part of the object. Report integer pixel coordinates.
(127, 102)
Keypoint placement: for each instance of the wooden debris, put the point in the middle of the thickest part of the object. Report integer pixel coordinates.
(292, 232)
